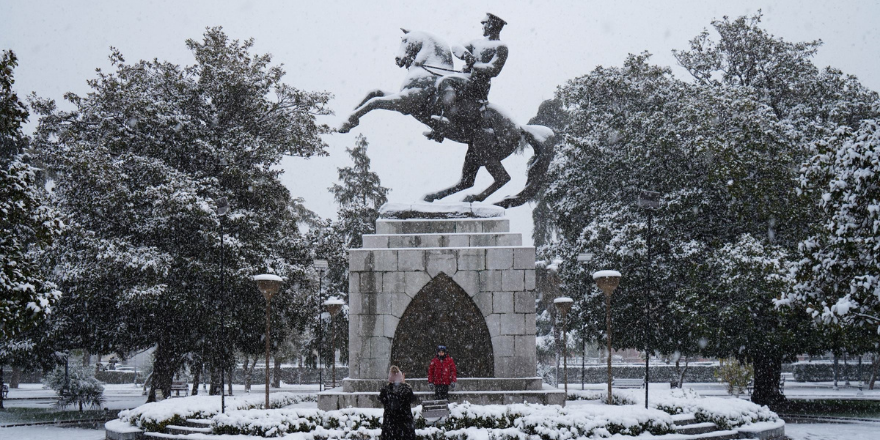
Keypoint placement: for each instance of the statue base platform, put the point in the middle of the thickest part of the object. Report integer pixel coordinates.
(364, 393)
(405, 211)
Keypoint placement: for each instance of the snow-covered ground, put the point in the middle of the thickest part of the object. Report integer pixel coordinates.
(50, 432)
(833, 431)
(129, 396)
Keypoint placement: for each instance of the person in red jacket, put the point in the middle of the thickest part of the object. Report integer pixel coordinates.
(442, 374)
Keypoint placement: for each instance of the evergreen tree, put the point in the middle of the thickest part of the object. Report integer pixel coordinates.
(724, 152)
(359, 196)
(142, 164)
(839, 275)
(27, 224)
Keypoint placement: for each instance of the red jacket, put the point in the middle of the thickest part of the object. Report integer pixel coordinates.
(442, 372)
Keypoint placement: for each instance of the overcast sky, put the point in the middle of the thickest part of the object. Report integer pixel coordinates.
(348, 48)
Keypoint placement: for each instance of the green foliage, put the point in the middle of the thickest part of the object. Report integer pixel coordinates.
(79, 387)
(140, 164)
(724, 152)
(737, 376)
(27, 226)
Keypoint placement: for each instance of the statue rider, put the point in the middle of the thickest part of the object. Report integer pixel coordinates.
(462, 98)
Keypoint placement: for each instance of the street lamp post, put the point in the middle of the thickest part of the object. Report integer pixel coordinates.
(269, 285)
(583, 259)
(563, 304)
(333, 305)
(222, 209)
(649, 201)
(321, 266)
(607, 281)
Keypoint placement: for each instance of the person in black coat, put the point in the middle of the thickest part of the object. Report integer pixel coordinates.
(397, 398)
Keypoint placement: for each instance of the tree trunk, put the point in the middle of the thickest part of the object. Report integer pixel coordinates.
(231, 374)
(768, 370)
(164, 365)
(87, 358)
(215, 389)
(16, 377)
(247, 373)
(874, 369)
(276, 373)
(197, 377)
(680, 383)
(1, 384)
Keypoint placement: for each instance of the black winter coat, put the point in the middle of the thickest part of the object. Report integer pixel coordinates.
(397, 421)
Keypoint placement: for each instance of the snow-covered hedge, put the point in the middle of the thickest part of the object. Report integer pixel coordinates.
(156, 416)
(824, 371)
(726, 413)
(465, 422)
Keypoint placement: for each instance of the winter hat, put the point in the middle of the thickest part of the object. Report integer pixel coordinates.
(395, 375)
(442, 348)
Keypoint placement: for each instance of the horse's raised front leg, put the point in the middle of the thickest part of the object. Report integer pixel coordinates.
(496, 169)
(468, 177)
(395, 102)
(373, 94)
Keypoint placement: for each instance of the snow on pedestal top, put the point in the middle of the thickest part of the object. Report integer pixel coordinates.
(267, 277)
(439, 210)
(606, 274)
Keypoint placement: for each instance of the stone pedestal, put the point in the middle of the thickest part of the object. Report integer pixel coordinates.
(468, 284)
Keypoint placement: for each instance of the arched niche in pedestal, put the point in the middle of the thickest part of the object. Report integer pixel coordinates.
(442, 313)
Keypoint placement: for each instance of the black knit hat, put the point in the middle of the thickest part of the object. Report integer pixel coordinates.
(442, 348)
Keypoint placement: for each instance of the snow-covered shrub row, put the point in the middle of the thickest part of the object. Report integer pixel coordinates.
(275, 423)
(156, 416)
(725, 413)
(616, 398)
(824, 372)
(465, 422)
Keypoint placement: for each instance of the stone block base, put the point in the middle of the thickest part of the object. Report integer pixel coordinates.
(463, 384)
(336, 399)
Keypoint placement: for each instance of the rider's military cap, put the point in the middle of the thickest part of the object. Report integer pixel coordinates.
(494, 19)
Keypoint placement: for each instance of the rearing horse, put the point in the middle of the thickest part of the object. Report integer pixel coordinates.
(497, 137)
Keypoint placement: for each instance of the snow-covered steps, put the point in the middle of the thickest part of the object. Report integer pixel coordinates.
(695, 428)
(176, 429)
(684, 419)
(198, 423)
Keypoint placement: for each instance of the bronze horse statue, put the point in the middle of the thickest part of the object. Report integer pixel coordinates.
(490, 139)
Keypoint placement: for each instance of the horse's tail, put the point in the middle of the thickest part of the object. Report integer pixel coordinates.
(541, 140)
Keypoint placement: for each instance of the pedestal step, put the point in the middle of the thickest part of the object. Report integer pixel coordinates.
(333, 400)
(456, 240)
(452, 226)
(463, 384)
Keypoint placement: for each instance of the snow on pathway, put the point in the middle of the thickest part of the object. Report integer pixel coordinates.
(832, 431)
(51, 432)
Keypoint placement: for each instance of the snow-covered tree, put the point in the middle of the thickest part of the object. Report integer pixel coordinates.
(142, 163)
(27, 223)
(723, 151)
(839, 276)
(359, 196)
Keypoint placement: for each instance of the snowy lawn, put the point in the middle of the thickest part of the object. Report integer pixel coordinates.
(465, 422)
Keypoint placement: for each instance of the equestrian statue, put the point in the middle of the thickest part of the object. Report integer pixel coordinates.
(455, 106)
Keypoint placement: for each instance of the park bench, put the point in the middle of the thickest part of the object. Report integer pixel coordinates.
(434, 410)
(628, 383)
(178, 387)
